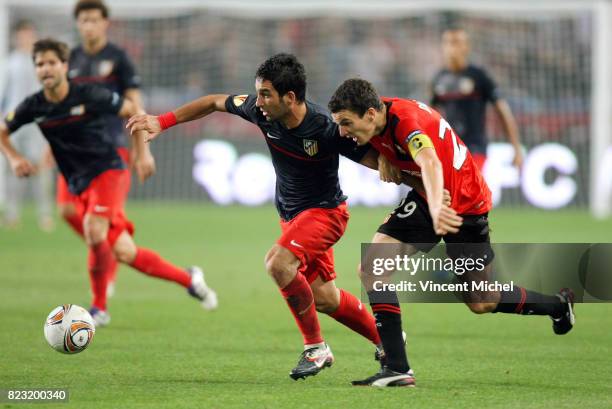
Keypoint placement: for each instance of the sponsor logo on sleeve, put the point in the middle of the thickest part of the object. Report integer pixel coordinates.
(77, 110)
(239, 100)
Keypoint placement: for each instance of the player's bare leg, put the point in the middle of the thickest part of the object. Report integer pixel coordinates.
(283, 265)
(345, 308)
(68, 211)
(95, 229)
(559, 307)
(149, 262)
(385, 305)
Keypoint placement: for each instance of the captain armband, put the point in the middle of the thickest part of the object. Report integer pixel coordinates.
(416, 142)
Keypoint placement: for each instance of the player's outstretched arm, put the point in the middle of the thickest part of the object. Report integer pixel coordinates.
(445, 218)
(20, 166)
(511, 128)
(191, 111)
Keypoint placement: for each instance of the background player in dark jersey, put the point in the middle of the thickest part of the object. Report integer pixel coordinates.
(72, 119)
(416, 138)
(461, 91)
(304, 145)
(98, 61)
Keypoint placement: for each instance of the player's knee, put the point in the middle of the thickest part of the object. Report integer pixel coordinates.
(95, 232)
(276, 267)
(326, 303)
(326, 306)
(124, 254)
(481, 307)
(125, 249)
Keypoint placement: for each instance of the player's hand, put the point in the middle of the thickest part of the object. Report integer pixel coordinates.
(388, 172)
(445, 220)
(446, 198)
(144, 122)
(22, 167)
(144, 166)
(518, 160)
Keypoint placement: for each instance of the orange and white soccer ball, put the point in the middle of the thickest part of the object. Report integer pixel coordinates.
(69, 329)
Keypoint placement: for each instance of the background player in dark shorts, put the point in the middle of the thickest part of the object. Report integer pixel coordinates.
(98, 61)
(461, 91)
(304, 144)
(416, 138)
(72, 119)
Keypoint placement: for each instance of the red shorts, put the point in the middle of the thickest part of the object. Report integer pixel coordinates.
(105, 197)
(310, 237)
(480, 159)
(63, 195)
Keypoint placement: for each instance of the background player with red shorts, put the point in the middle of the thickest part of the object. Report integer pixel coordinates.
(98, 61)
(72, 119)
(462, 90)
(417, 139)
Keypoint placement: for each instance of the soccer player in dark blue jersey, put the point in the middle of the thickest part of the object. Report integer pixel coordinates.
(98, 61)
(304, 144)
(461, 91)
(72, 117)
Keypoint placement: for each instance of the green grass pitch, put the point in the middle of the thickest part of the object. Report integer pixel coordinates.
(163, 351)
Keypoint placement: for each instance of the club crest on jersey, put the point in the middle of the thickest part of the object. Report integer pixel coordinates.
(105, 68)
(466, 85)
(77, 110)
(311, 147)
(239, 100)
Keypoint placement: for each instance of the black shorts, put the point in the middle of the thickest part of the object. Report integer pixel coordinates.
(411, 223)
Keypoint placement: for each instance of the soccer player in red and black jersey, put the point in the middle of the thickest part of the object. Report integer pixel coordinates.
(98, 61)
(72, 117)
(462, 90)
(415, 138)
(304, 144)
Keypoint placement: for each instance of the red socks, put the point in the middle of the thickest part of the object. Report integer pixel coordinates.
(76, 223)
(151, 263)
(298, 295)
(100, 261)
(353, 314)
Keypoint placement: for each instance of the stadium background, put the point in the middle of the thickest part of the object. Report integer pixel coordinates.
(544, 56)
(161, 350)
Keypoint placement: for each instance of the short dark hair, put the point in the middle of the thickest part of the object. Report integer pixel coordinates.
(83, 5)
(285, 73)
(355, 95)
(49, 44)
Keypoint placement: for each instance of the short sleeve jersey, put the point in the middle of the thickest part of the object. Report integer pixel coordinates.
(463, 97)
(305, 158)
(76, 131)
(407, 122)
(110, 68)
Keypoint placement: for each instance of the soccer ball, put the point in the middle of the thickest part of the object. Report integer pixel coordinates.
(69, 329)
